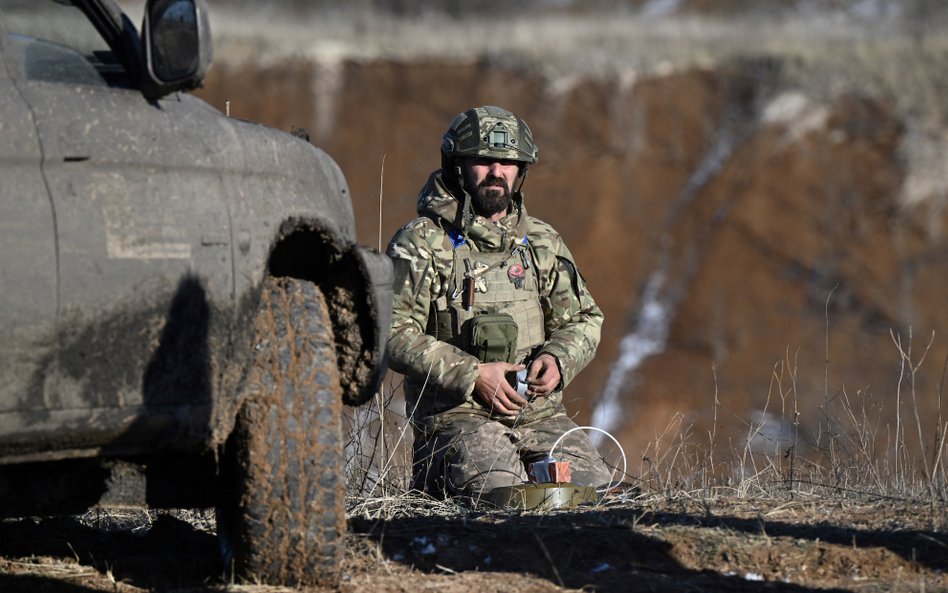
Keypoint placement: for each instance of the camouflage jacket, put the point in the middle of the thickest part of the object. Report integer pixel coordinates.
(439, 377)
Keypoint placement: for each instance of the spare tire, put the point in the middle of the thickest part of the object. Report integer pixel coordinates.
(281, 520)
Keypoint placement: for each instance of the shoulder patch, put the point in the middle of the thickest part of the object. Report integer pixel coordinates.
(401, 267)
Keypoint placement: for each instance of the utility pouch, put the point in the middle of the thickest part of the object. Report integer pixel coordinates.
(443, 326)
(493, 337)
(449, 326)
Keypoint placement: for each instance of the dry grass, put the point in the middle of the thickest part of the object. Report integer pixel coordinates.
(857, 455)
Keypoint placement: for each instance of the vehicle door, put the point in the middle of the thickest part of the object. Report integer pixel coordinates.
(27, 257)
(143, 242)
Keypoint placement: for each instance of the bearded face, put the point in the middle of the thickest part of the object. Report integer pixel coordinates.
(489, 182)
(492, 195)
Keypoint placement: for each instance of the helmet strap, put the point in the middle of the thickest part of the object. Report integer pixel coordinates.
(467, 212)
(518, 182)
(455, 175)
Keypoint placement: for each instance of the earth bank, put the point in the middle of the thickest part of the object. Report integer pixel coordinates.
(751, 241)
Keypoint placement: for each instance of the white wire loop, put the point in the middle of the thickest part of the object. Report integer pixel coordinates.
(621, 451)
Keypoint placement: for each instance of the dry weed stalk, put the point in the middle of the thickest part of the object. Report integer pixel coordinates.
(850, 457)
(378, 455)
(908, 371)
(381, 193)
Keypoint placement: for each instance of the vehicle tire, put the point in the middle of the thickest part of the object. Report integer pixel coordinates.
(282, 517)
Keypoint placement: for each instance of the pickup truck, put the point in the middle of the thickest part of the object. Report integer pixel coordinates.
(183, 307)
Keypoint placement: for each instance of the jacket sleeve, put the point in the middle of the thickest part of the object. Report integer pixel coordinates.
(411, 351)
(573, 320)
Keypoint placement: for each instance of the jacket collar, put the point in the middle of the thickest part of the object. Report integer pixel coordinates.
(437, 202)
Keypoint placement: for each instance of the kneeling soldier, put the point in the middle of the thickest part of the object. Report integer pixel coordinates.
(491, 319)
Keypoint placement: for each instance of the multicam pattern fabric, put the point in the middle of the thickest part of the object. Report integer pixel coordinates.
(491, 132)
(440, 376)
(471, 455)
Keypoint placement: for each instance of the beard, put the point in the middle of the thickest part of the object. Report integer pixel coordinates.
(492, 195)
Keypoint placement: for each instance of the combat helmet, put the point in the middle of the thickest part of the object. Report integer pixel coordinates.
(490, 132)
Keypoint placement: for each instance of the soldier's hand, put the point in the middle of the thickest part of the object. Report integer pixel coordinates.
(493, 390)
(543, 376)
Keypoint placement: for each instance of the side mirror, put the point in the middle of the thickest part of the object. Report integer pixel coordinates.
(177, 46)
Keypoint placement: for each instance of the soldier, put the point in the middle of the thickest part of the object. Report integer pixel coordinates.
(484, 291)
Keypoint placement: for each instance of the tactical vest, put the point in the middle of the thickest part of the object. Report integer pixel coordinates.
(490, 306)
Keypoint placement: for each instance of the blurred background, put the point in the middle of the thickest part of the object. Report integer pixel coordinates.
(755, 192)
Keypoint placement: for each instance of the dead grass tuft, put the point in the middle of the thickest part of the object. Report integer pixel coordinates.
(858, 455)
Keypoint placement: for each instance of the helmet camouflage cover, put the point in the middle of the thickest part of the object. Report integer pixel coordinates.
(490, 132)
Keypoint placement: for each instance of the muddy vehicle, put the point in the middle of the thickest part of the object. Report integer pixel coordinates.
(183, 309)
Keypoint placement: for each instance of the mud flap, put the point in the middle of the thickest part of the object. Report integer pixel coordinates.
(377, 273)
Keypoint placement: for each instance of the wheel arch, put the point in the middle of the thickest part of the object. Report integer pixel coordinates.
(356, 283)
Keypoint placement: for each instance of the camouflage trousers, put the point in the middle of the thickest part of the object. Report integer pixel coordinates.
(464, 454)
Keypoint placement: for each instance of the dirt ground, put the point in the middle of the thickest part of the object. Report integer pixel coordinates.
(680, 544)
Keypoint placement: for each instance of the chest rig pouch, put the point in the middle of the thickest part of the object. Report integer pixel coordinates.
(493, 337)
(491, 304)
